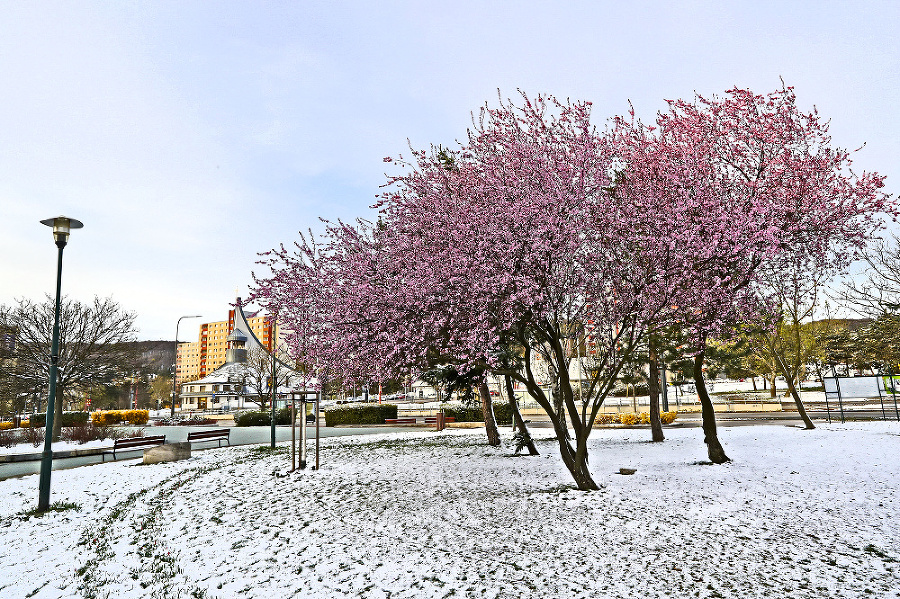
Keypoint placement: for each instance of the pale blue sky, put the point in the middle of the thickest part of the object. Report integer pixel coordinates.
(189, 136)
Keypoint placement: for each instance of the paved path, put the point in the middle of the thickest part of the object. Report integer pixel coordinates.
(251, 435)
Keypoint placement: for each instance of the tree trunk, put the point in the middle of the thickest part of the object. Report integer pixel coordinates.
(710, 436)
(656, 432)
(773, 393)
(487, 408)
(754, 383)
(801, 409)
(576, 461)
(518, 421)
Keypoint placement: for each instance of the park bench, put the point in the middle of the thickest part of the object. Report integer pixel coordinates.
(132, 443)
(399, 420)
(216, 435)
(433, 419)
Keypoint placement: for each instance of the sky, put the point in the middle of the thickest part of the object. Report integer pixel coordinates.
(188, 137)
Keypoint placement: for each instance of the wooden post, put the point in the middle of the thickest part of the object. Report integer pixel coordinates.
(303, 434)
(293, 434)
(318, 396)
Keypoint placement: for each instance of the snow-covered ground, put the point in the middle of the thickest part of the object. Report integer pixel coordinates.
(425, 514)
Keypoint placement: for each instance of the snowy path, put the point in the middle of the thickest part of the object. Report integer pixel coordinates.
(800, 514)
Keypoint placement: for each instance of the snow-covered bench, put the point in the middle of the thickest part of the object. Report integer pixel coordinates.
(219, 435)
(132, 443)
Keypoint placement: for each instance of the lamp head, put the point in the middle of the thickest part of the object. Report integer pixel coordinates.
(61, 226)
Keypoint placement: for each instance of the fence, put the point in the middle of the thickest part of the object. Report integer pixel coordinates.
(866, 388)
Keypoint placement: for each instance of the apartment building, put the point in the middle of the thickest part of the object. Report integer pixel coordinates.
(195, 360)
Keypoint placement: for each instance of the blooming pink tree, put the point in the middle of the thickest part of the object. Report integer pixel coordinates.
(540, 232)
(758, 181)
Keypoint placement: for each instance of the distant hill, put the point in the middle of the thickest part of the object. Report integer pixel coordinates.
(156, 356)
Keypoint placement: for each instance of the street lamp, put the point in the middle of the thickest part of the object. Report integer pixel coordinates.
(175, 374)
(61, 227)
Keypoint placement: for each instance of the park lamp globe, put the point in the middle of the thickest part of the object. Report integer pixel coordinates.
(61, 227)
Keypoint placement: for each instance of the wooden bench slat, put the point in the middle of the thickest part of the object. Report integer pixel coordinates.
(216, 435)
(134, 442)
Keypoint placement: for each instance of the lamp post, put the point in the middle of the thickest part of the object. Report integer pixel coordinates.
(175, 374)
(61, 227)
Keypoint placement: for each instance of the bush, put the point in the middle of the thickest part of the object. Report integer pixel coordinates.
(502, 414)
(253, 419)
(68, 419)
(5, 426)
(606, 419)
(365, 414)
(629, 419)
(34, 435)
(109, 417)
(668, 417)
(137, 417)
(282, 418)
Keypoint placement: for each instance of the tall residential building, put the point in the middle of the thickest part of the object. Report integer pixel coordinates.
(197, 359)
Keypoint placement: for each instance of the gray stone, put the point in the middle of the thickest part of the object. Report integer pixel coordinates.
(627, 471)
(171, 452)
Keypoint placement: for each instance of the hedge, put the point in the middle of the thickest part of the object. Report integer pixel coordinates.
(630, 419)
(108, 417)
(502, 414)
(282, 417)
(365, 414)
(68, 419)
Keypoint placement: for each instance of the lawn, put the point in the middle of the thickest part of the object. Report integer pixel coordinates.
(425, 514)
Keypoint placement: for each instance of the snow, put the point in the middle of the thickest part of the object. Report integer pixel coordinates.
(424, 514)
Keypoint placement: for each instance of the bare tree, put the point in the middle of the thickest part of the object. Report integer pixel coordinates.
(877, 290)
(93, 346)
(259, 375)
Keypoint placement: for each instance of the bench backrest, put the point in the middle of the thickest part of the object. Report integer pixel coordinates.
(137, 441)
(209, 434)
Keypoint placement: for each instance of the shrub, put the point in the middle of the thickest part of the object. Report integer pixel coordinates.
(365, 414)
(137, 417)
(606, 419)
(253, 419)
(502, 414)
(108, 417)
(629, 419)
(68, 419)
(261, 418)
(668, 417)
(8, 438)
(34, 435)
(5, 426)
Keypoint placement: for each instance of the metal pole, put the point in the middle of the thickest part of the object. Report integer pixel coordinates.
(175, 372)
(894, 393)
(837, 384)
(293, 433)
(303, 434)
(47, 455)
(879, 381)
(665, 387)
(273, 385)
